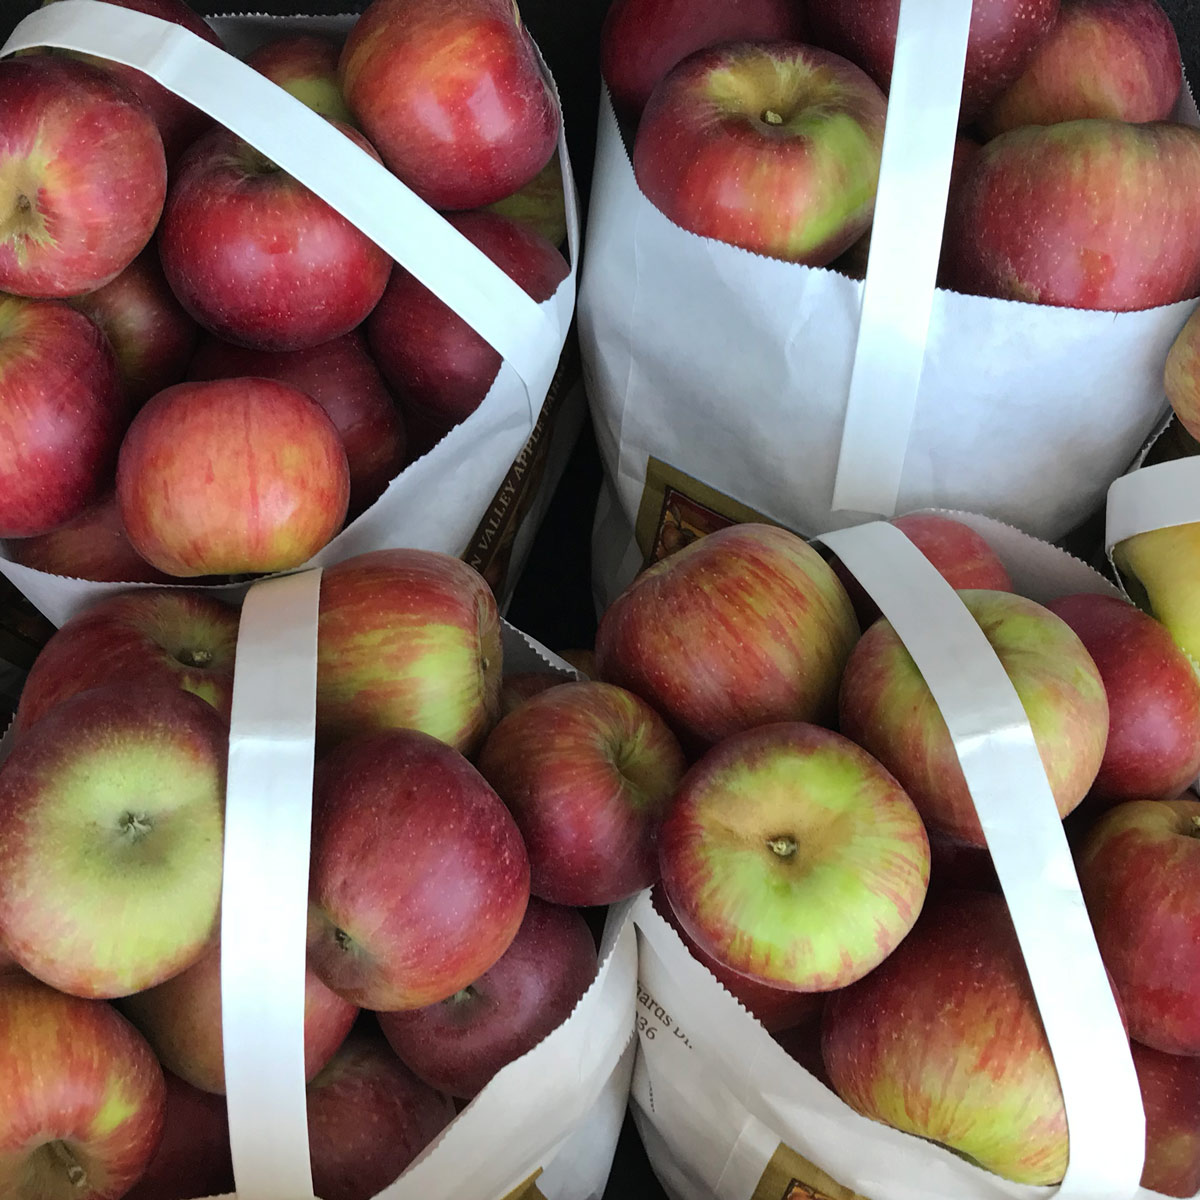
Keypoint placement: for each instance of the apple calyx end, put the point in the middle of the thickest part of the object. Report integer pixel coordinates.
(198, 657)
(342, 940)
(771, 117)
(783, 846)
(134, 827)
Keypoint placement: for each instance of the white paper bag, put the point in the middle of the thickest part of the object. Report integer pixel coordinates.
(443, 500)
(725, 1113)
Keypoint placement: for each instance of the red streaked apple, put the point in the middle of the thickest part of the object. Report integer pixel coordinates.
(62, 415)
(745, 626)
(1170, 1086)
(773, 147)
(407, 639)
(587, 770)
(641, 40)
(82, 177)
(181, 1019)
(790, 855)
(258, 259)
(452, 96)
(368, 1118)
(456, 1046)
(419, 878)
(83, 1096)
(438, 365)
(540, 205)
(905, 1045)
(151, 335)
(887, 707)
(111, 822)
(230, 477)
(1153, 748)
(305, 65)
(1139, 868)
(150, 637)
(342, 378)
(1181, 374)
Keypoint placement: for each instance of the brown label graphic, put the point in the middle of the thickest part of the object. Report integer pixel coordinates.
(527, 1190)
(790, 1176)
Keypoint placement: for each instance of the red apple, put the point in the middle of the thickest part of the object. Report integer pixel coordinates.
(82, 177)
(258, 259)
(83, 1096)
(62, 414)
(1003, 36)
(193, 1158)
(456, 1046)
(368, 1118)
(111, 818)
(1153, 749)
(305, 65)
(944, 1040)
(956, 864)
(439, 366)
(641, 40)
(341, 377)
(407, 639)
(152, 336)
(453, 97)
(887, 707)
(150, 637)
(181, 1019)
(91, 546)
(742, 627)
(1171, 1097)
(587, 770)
(1102, 58)
(234, 476)
(793, 857)
(773, 147)
(1094, 214)
(1139, 869)
(802, 1042)
(419, 879)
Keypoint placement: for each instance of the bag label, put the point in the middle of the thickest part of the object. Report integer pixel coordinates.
(790, 1176)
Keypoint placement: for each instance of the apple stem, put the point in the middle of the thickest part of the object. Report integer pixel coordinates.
(75, 1172)
(784, 846)
(771, 117)
(1194, 831)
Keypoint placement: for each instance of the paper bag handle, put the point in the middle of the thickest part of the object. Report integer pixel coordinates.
(1151, 498)
(1004, 773)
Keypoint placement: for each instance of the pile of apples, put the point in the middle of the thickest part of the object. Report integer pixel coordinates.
(207, 371)
(761, 124)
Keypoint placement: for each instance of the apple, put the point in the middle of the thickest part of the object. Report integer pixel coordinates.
(151, 637)
(438, 365)
(587, 770)
(456, 1046)
(151, 335)
(368, 1118)
(407, 639)
(342, 378)
(111, 819)
(419, 879)
(1181, 374)
(1162, 567)
(775, 1008)
(305, 65)
(641, 40)
(1139, 869)
(62, 415)
(1153, 749)
(956, 864)
(802, 1042)
(178, 122)
(1095, 214)
(91, 546)
(1003, 37)
(82, 177)
(886, 706)
(453, 98)
(915, 1044)
(540, 205)
(773, 147)
(193, 1158)
(181, 1019)
(83, 1096)
(229, 477)
(1102, 58)
(582, 659)
(1170, 1086)
(520, 686)
(744, 626)
(258, 259)
(790, 855)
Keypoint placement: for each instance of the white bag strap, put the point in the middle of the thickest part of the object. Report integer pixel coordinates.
(906, 242)
(1153, 498)
(1016, 808)
(312, 150)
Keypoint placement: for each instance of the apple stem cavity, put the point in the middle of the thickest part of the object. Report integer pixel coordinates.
(75, 1172)
(784, 846)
